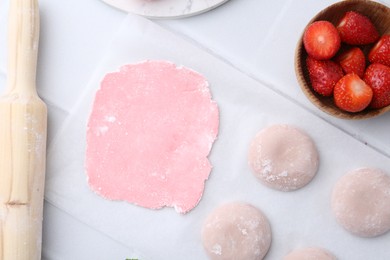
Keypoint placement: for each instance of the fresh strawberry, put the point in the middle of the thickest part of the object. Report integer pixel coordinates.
(352, 60)
(323, 75)
(352, 94)
(357, 29)
(377, 76)
(380, 53)
(321, 40)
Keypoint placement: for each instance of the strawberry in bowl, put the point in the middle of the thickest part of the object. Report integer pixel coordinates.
(349, 36)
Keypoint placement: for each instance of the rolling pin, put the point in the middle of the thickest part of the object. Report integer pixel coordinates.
(23, 121)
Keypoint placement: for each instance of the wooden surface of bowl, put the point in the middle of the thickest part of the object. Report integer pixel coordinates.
(379, 15)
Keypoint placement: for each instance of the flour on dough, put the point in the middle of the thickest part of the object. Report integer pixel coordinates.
(236, 231)
(361, 202)
(150, 131)
(283, 157)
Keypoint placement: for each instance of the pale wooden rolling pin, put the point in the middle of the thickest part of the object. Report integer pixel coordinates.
(23, 120)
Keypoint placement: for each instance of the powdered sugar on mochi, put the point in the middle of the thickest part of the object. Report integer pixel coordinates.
(361, 202)
(236, 231)
(151, 129)
(283, 157)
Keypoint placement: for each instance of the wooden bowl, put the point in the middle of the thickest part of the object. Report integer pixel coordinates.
(379, 15)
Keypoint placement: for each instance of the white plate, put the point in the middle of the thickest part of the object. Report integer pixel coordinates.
(165, 8)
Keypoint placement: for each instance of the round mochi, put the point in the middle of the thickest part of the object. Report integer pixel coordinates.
(361, 202)
(310, 253)
(149, 134)
(283, 157)
(236, 231)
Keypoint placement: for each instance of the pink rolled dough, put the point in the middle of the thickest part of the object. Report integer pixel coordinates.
(151, 129)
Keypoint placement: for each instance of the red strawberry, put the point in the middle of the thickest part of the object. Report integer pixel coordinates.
(357, 29)
(323, 75)
(380, 53)
(377, 76)
(321, 40)
(352, 60)
(352, 94)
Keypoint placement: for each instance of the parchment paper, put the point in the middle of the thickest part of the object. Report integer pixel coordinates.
(298, 219)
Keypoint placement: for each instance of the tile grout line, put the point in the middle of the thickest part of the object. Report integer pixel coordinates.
(275, 24)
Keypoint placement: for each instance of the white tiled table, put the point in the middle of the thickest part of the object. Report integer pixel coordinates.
(244, 33)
